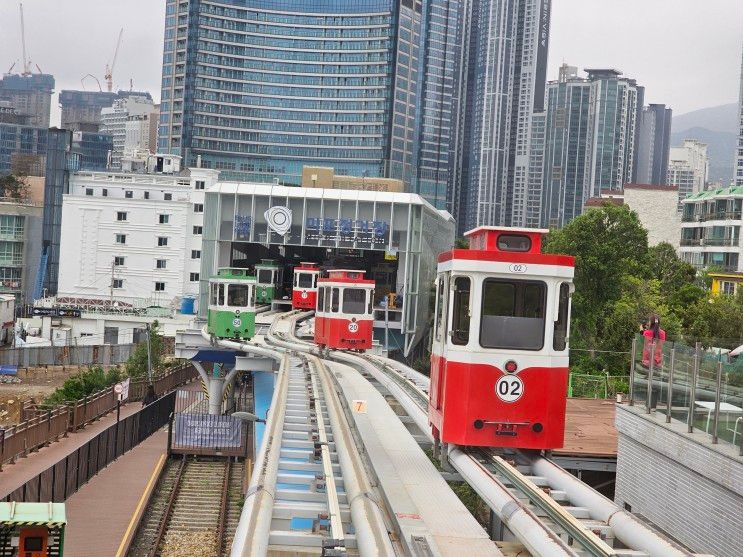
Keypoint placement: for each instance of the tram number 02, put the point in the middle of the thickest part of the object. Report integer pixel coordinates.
(509, 388)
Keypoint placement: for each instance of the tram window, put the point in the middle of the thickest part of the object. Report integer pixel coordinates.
(314, 280)
(440, 306)
(215, 291)
(514, 242)
(460, 320)
(320, 299)
(512, 314)
(238, 295)
(559, 340)
(220, 296)
(304, 280)
(354, 301)
(370, 307)
(264, 276)
(327, 299)
(336, 300)
(252, 296)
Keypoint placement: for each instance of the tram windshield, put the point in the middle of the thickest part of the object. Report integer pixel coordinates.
(512, 314)
(264, 276)
(304, 280)
(238, 295)
(354, 301)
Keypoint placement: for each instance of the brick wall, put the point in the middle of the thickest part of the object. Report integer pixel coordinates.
(685, 485)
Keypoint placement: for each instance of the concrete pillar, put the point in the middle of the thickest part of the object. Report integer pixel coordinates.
(216, 391)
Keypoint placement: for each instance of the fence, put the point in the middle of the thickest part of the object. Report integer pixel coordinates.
(60, 481)
(691, 385)
(45, 426)
(39, 356)
(597, 386)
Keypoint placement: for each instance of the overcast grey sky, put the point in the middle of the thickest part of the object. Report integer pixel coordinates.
(685, 52)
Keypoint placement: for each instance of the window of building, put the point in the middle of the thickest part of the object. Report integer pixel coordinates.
(146, 195)
(197, 229)
(199, 185)
(198, 207)
(88, 191)
(162, 241)
(121, 238)
(460, 319)
(194, 277)
(168, 197)
(104, 192)
(559, 340)
(164, 219)
(512, 314)
(354, 301)
(119, 261)
(118, 283)
(195, 254)
(161, 263)
(128, 194)
(159, 287)
(727, 288)
(121, 215)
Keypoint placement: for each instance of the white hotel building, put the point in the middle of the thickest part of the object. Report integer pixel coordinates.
(133, 238)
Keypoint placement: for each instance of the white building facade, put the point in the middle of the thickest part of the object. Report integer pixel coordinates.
(657, 208)
(688, 167)
(134, 239)
(114, 122)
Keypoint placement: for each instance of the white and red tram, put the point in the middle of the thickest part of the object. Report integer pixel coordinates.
(344, 317)
(304, 291)
(499, 361)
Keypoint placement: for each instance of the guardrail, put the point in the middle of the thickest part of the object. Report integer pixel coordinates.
(49, 425)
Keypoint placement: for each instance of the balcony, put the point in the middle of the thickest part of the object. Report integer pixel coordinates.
(691, 241)
(722, 242)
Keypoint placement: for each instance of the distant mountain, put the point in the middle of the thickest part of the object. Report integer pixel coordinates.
(721, 118)
(715, 126)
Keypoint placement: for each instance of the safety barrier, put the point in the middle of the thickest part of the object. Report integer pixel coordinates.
(47, 426)
(64, 478)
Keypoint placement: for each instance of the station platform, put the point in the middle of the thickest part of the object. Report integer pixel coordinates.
(590, 429)
(102, 516)
(15, 475)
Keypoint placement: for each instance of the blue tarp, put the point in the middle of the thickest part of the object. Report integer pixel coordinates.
(8, 370)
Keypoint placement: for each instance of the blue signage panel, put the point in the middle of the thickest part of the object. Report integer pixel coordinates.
(375, 231)
(202, 430)
(242, 227)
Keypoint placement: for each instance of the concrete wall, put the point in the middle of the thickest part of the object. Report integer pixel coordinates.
(657, 208)
(688, 487)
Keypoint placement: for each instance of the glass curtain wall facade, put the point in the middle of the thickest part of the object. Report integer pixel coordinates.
(653, 144)
(259, 88)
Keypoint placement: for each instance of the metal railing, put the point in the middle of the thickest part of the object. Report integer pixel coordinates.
(61, 480)
(48, 425)
(700, 388)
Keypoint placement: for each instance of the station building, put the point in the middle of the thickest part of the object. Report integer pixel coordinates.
(395, 237)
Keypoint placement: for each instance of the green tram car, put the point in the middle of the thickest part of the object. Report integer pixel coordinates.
(232, 304)
(269, 278)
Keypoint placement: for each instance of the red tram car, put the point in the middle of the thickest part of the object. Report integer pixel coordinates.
(304, 291)
(499, 361)
(344, 318)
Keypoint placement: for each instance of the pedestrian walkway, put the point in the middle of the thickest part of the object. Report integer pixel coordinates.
(15, 475)
(103, 515)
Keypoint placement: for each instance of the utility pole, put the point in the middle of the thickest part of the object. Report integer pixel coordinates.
(149, 356)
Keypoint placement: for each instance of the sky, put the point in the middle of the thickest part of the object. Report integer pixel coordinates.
(687, 53)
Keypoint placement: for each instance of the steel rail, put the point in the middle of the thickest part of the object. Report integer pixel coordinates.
(223, 506)
(165, 520)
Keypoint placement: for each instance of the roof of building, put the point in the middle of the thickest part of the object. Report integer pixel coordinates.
(657, 187)
(601, 201)
(726, 275)
(730, 191)
(26, 514)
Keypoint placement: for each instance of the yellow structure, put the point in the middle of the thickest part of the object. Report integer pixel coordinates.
(325, 177)
(726, 283)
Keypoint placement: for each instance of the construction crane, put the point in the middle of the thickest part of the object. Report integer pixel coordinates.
(26, 60)
(110, 69)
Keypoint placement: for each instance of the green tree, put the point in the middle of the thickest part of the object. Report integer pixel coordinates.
(136, 365)
(609, 244)
(718, 321)
(83, 384)
(13, 186)
(665, 265)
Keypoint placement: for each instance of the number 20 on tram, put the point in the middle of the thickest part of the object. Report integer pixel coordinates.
(499, 359)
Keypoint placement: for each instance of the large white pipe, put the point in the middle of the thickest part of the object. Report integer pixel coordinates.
(371, 531)
(254, 528)
(626, 527)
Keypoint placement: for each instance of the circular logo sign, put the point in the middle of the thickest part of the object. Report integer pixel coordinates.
(118, 388)
(279, 219)
(353, 327)
(304, 294)
(509, 388)
(517, 268)
(236, 322)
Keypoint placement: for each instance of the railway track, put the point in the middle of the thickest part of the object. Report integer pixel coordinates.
(194, 499)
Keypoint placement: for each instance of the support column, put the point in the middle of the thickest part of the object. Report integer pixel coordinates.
(216, 391)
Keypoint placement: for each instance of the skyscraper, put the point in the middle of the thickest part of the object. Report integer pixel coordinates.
(654, 141)
(30, 95)
(588, 142)
(81, 110)
(506, 60)
(688, 167)
(114, 122)
(739, 153)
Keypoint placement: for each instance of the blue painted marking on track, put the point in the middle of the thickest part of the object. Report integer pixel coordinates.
(295, 487)
(263, 384)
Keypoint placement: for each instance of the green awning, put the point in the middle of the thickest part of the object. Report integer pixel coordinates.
(51, 515)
